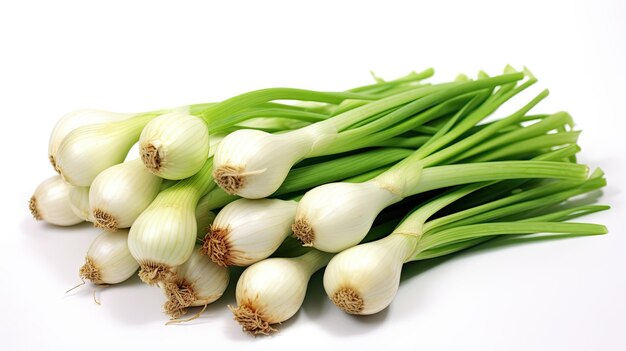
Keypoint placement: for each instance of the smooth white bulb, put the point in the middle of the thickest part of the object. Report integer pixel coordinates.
(120, 193)
(335, 216)
(76, 119)
(253, 164)
(247, 231)
(272, 291)
(89, 150)
(174, 145)
(51, 203)
(197, 282)
(108, 259)
(364, 279)
(161, 238)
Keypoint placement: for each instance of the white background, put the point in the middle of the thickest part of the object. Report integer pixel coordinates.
(57, 56)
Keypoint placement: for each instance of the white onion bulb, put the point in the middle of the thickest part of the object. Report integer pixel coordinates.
(51, 203)
(120, 193)
(197, 282)
(89, 150)
(247, 231)
(336, 216)
(253, 164)
(108, 259)
(163, 237)
(76, 119)
(364, 279)
(272, 291)
(174, 145)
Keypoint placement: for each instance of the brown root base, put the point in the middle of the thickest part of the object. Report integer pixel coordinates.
(104, 220)
(150, 157)
(32, 206)
(90, 271)
(251, 321)
(154, 273)
(229, 178)
(216, 246)
(303, 231)
(348, 300)
(180, 295)
(53, 162)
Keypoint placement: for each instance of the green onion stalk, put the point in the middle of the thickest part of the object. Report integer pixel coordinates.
(336, 216)
(253, 164)
(364, 279)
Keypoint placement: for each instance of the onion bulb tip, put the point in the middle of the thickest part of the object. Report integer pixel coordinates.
(151, 157)
(303, 231)
(90, 271)
(216, 246)
(251, 320)
(32, 206)
(53, 162)
(348, 300)
(180, 295)
(229, 178)
(104, 220)
(153, 273)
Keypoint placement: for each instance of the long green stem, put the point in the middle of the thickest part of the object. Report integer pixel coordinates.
(416, 100)
(221, 113)
(340, 168)
(511, 228)
(450, 175)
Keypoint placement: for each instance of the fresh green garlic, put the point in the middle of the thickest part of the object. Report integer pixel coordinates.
(247, 231)
(272, 291)
(120, 193)
(79, 201)
(108, 259)
(51, 203)
(197, 282)
(76, 119)
(174, 145)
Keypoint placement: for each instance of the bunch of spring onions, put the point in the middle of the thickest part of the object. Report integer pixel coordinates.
(288, 181)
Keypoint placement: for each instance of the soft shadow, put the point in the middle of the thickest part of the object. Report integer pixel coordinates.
(314, 305)
(60, 251)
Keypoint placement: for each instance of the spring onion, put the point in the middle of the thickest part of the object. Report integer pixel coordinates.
(364, 279)
(253, 164)
(328, 220)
